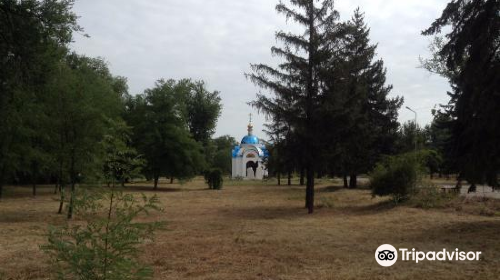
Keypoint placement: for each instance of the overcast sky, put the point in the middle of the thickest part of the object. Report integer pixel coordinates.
(216, 40)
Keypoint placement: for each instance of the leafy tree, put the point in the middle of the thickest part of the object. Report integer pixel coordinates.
(471, 53)
(33, 38)
(223, 146)
(433, 161)
(296, 80)
(161, 133)
(203, 109)
(411, 137)
(121, 162)
(83, 101)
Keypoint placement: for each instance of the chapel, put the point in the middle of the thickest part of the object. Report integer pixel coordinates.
(248, 158)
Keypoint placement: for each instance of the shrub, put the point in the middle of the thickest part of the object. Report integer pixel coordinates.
(396, 176)
(213, 178)
(431, 197)
(104, 244)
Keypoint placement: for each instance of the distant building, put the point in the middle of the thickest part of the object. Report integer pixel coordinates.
(248, 157)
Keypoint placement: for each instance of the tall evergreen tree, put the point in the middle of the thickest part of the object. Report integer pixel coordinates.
(471, 52)
(356, 102)
(296, 80)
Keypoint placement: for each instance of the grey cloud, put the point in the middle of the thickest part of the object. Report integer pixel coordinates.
(216, 40)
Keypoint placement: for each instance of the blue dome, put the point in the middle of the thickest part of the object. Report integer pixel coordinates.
(250, 139)
(235, 151)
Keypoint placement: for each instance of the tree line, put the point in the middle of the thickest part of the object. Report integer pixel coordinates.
(66, 119)
(329, 107)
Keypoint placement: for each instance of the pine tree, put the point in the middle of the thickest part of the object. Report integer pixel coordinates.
(296, 80)
(356, 102)
(471, 52)
(105, 243)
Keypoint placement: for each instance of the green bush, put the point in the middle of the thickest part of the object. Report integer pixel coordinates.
(213, 178)
(396, 176)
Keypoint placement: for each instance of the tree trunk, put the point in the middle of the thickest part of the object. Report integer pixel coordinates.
(71, 200)
(310, 190)
(2, 176)
(72, 173)
(171, 180)
(302, 174)
(60, 182)
(279, 178)
(61, 203)
(34, 171)
(472, 188)
(309, 111)
(61, 189)
(353, 181)
(156, 178)
(346, 184)
(289, 178)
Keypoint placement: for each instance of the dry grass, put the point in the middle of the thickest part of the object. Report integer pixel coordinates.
(261, 231)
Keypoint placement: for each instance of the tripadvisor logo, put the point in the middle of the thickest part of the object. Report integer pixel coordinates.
(387, 255)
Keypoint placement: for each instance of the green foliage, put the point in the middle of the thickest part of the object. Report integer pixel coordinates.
(34, 38)
(468, 55)
(356, 103)
(160, 131)
(432, 160)
(330, 107)
(203, 109)
(222, 147)
(411, 137)
(105, 243)
(214, 179)
(82, 105)
(121, 162)
(294, 84)
(397, 176)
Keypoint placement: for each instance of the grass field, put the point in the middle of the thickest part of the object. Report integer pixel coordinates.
(260, 230)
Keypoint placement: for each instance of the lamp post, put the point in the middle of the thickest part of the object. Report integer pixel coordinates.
(416, 127)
